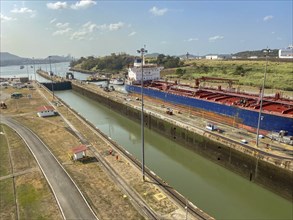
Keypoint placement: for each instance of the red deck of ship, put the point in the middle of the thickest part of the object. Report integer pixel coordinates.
(274, 105)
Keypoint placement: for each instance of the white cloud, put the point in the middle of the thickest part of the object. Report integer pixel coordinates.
(192, 39)
(24, 10)
(21, 10)
(53, 20)
(61, 26)
(102, 27)
(214, 38)
(84, 32)
(116, 26)
(132, 34)
(90, 26)
(83, 4)
(61, 32)
(111, 27)
(158, 12)
(163, 42)
(5, 18)
(78, 35)
(57, 5)
(268, 17)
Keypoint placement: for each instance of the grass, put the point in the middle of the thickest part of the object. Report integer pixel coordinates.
(249, 73)
(7, 201)
(22, 157)
(35, 200)
(5, 168)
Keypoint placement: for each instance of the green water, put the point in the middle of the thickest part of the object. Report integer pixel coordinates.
(217, 191)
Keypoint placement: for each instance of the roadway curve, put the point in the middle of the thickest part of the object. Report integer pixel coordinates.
(69, 198)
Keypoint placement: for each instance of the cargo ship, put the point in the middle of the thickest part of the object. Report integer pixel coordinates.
(228, 105)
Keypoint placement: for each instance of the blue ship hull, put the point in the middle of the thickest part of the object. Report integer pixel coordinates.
(249, 118)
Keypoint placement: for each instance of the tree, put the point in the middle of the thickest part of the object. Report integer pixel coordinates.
(180, 71)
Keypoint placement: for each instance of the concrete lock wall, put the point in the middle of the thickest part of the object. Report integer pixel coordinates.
(237, 159)
(58, 86)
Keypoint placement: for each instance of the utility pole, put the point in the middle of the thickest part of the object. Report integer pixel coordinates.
(51, 74)
(34, 69)
(142, 51)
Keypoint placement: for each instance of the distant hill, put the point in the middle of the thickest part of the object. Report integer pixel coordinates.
(256, 53)
(8, 56)
(8, 59)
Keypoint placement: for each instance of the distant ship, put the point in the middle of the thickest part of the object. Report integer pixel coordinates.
(21, 67)
(223, 105)
(115, 81)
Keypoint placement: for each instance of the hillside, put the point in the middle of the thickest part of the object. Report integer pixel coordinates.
(256, 53)
(8, 59)
(8, 56)
(247, 72)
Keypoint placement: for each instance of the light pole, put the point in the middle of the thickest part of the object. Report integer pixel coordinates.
(28, 75)
(261, 96)
(34, 68)
(142, 51)
(51, 74)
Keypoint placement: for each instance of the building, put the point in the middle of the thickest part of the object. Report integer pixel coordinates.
(286, 52)
(212, 57)
(46, 111)
(79, 152)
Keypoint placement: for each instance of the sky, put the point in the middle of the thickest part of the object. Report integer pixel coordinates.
(39, 28)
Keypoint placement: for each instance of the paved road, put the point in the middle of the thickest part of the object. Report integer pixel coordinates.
(71, 202)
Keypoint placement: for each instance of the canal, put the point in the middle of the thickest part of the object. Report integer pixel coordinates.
(219, 192)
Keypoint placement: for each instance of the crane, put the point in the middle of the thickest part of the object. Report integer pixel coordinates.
(214, 79)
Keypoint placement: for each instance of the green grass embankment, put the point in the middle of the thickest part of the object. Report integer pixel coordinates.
(5, 168)
(248, 72)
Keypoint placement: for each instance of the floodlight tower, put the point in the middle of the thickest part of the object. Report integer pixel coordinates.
(142, 51)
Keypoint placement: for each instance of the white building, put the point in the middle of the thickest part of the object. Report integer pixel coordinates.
(46, 111)
(150, 72)
(212, 57)
(286, 52)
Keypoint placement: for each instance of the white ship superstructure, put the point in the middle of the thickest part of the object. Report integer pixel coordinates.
(286, 52)
(150, 72)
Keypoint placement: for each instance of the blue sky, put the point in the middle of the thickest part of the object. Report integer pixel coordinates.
(84, 28)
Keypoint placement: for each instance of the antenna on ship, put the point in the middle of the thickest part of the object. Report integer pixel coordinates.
(266, 51)
(142, 51)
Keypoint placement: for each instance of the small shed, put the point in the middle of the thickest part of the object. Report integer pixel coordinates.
(79, 152)
(45, 111)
